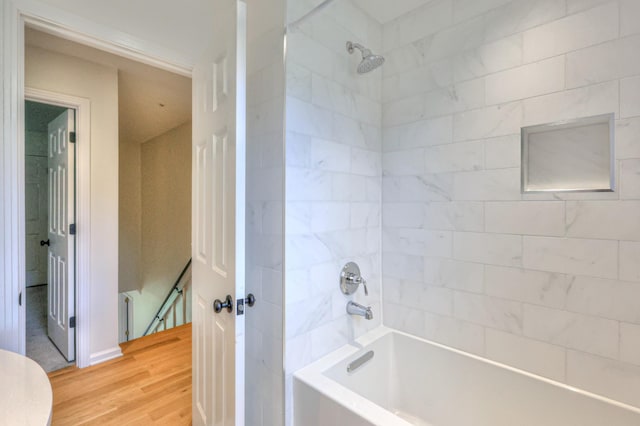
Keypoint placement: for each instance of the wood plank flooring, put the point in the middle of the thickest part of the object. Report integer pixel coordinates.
(149, 384)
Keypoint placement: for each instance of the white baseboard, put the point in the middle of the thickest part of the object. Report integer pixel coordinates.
(103, 356)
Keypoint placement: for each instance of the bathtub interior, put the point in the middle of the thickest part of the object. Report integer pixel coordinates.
(426, 383)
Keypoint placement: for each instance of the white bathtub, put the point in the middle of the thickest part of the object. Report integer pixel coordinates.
(411, 381)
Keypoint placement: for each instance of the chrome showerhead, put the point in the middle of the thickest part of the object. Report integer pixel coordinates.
(369, 60)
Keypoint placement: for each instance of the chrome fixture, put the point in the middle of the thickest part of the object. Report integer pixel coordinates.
(354, 365)
(350, 279)
(369, 61)
(354, 308)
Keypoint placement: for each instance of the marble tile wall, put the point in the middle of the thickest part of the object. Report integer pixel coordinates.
(549, 284)
(264, 373)
(333, 178)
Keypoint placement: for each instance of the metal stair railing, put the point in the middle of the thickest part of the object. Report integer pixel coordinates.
(168, 314)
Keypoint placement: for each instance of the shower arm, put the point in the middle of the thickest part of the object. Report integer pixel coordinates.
(351, 46)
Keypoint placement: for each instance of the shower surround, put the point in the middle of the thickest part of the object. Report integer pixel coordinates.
(549, 283)
(413, 171)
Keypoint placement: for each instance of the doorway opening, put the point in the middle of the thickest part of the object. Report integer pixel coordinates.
(50, 243)
(144, 124)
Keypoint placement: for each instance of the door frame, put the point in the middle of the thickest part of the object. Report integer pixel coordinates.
(82, 265)
(16, 14)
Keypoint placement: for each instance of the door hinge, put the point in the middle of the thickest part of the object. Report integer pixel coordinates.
(72, 137)
(72, 322)
(72, 229)
(20, 299)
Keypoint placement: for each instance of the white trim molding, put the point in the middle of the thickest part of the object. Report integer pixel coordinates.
(103, 356)
(83, 210)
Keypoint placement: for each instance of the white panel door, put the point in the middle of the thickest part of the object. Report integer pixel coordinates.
(61, 265)
(219, 116)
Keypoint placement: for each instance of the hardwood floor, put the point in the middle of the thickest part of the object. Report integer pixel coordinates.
(149, 384)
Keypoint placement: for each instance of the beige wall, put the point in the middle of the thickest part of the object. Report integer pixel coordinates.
(72, 76)
(130, 212)
(166, 219)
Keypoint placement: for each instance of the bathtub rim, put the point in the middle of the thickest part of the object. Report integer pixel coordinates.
(313, 375)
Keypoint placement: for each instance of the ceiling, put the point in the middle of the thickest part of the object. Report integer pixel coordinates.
(387, 10)
(151, 101)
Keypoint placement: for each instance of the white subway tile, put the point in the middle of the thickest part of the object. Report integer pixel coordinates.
(398, 215)
(629, 16)
(365, 162)
(458, 38)
(418, 188)
(489, 58)
(342, 99)
(540, 288)
(488, 122)
(502, 152)
(454, 274)
(329, 216)
(417, 295)
(308, 119)
(629, 94)
(530, 80)
(409, 320)
(366, 215)
(488, 311)
(458, 97)
(454, 157)
(421, 22)
(530, 355)
(614, 379)
(574, 6)
(435, 131)
(499, 184)
(347, 187)
(520, 15)
(418, 80)
(603, 62)
(455, 333)
(618, 300)
(493, 249)
(569, 104)
(630, 261)
(587, 28)
(630, 343)
(326, 155)
(590, 334)
(402, 111)
(630, 179)
(465, 9)
(525, 217)
(627, 139)
(308, 184)
(403, 266)
(298, 82)
(598, 258)
(407, 162)
(611, 220)
(418, 242)
(454, 216)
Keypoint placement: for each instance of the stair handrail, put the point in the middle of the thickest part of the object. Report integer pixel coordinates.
(156, 317)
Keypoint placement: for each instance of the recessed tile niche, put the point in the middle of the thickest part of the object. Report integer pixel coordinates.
(569, 156)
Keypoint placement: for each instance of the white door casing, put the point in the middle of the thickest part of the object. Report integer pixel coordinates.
(61, 256)
(218, 241)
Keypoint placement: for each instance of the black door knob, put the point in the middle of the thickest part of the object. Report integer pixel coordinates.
(218, 305)
(44, 243)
